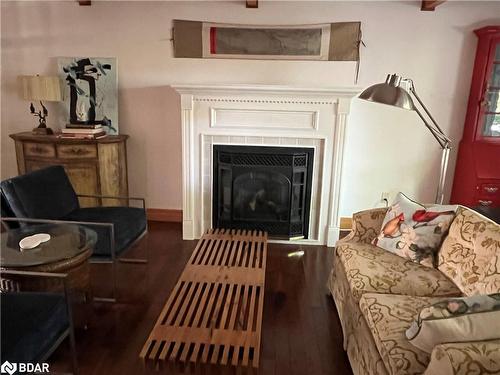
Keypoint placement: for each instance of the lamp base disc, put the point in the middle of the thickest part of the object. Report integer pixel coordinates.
(43, 131)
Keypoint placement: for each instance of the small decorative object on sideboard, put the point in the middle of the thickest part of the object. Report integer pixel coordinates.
(40, 88)
(73, 131)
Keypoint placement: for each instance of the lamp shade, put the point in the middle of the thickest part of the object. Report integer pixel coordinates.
(389, 93)
(47, 88)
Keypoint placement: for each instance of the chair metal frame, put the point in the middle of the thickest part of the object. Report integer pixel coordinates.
(70, 332)
(111, 229)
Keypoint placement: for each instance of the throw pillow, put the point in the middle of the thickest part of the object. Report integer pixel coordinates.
(489, 240)
(414, 231)
(470, 253)
(465, 319)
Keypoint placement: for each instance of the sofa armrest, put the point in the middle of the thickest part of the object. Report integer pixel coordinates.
(479, 357)
(366, 226)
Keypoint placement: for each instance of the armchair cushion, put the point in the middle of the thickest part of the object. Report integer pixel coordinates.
(43, 194)
(129, 223)
(31, 324)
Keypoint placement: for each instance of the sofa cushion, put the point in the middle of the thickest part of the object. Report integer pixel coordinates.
(468, 253)
(370, 269)
(475, 318)
(414, 231)
(388, 317)
(129, 223)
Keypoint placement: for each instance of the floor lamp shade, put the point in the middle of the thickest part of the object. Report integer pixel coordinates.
(389, 93)
(40, 88)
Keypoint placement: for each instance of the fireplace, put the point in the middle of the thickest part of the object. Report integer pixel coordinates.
(263, 188)
(282, 119)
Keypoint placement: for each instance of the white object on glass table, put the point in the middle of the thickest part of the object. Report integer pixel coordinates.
(33, 241)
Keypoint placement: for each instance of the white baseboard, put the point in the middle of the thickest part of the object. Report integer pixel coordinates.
(332, 236)
(187, 230)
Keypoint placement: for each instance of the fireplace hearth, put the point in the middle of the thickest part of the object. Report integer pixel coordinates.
(263, 188)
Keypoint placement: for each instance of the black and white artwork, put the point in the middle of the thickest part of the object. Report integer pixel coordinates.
(91, 91)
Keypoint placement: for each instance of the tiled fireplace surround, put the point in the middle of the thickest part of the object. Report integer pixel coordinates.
(263, 116)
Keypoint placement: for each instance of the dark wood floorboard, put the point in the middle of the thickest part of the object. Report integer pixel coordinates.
(301, 331)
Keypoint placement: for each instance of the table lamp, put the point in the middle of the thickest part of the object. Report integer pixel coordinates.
(40, 88)
(391, 93)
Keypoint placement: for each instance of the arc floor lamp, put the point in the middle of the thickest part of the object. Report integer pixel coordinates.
(392, 93)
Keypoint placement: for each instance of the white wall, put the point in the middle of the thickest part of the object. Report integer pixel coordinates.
(387, 149)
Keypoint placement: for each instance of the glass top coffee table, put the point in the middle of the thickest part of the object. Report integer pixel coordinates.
(67, 242)
(68, 250)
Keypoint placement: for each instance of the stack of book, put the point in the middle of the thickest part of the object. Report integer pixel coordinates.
(83, 131)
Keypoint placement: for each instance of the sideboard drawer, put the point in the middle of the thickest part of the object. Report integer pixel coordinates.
(44, 150)
(81, 151)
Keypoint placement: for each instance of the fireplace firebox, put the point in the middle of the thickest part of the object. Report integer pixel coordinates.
(263, 188)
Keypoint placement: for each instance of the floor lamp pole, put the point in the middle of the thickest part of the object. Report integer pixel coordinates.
(441, 138)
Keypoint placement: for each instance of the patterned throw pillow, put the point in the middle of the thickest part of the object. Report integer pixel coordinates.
(413, 231)
(465, 319)
(470, 254)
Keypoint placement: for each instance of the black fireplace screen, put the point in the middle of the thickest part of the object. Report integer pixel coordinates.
(264, 188)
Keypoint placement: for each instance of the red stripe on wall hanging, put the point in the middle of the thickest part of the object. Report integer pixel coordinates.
(213, 41)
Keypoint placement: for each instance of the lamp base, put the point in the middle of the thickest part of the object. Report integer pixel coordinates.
(42, 131)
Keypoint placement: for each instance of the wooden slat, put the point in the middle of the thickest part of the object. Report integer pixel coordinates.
(214, 313)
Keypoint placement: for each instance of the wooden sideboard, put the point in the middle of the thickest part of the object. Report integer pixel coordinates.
(95, 167)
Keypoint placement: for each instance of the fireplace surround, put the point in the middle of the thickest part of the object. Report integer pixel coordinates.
(266, 116)
(263, 188)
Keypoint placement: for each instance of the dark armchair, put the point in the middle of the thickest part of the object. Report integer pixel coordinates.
(46, 195)
(34, 324)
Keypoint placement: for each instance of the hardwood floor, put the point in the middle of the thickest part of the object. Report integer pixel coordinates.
(301, 331)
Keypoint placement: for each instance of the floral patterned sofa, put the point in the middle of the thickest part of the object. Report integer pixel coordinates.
(378, 294)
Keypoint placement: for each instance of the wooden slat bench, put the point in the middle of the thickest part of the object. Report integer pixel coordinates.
(214, 313)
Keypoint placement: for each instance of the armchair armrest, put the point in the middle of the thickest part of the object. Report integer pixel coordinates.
(366, 226)
(481, 357)
(142, 200)
(109, 226)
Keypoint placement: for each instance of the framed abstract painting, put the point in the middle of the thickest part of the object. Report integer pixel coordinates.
(90, 91)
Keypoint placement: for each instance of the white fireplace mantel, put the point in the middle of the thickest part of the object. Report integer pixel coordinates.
(265, 116)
